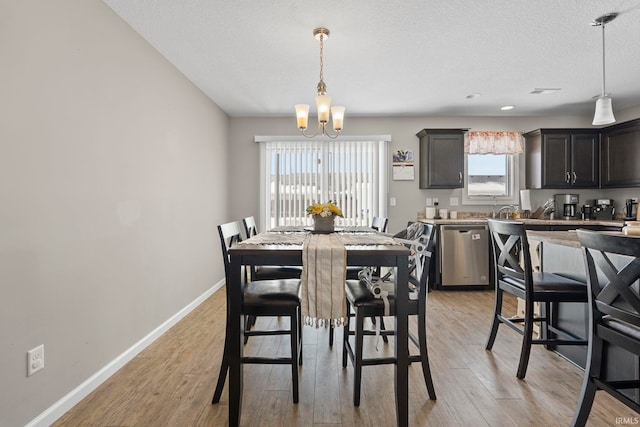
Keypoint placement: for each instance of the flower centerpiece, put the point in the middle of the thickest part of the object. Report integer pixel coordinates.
(324, 215)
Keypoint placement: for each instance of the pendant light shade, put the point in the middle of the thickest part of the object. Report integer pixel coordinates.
(604, 110)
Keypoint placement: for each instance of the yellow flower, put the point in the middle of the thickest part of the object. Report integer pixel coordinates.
(324, 209)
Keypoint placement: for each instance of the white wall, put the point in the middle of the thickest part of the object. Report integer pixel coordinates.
(113, 178)
(410, 199)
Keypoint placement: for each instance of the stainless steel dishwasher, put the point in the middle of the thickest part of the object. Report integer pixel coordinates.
(464, 255)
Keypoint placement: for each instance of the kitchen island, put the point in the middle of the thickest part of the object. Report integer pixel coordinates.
(561, 253)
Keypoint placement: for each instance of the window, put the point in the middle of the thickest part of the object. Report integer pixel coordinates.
(491, 178)
(295, 174)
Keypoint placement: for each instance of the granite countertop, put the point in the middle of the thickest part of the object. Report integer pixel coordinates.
(563, 238)
(578, 222)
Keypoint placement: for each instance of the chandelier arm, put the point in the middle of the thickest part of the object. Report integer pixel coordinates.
(318, 129)
(332, 136)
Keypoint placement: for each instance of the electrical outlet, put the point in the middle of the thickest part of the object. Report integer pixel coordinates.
(429, 201)
(35, 360)
(453, 201)
(392, 201)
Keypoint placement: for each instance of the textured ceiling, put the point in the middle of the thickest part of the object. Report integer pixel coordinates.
(386, 57)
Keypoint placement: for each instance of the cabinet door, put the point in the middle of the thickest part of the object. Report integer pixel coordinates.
(555, 160)
(441, 159)
(585, 160)
(621, 157)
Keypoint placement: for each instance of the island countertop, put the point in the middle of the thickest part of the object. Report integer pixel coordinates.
(563, 238)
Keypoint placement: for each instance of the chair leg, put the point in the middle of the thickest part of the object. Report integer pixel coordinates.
(526, 340)
(224, 369)
(300, 330)
(589, 388)
(294, 354)
(249, 321)
(345, 337)
(424, 355)
(550, 315)
(496, 321)
(357, 366)
(381, 319)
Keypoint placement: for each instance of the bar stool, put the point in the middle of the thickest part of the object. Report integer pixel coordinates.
(514, 275)
(613, 267)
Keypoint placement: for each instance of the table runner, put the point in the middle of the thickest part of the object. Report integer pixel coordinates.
(324, 259)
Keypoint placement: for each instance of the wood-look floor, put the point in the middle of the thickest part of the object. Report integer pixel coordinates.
(172, 381)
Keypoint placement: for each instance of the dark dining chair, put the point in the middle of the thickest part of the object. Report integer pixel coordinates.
(365, 304)
(378, 223)
(613, 271)
(279, 297)
(268, 272)
(514, 275)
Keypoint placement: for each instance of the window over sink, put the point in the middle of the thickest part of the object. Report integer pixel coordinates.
(491, 179)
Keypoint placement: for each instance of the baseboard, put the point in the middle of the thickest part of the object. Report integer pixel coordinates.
(58, 409)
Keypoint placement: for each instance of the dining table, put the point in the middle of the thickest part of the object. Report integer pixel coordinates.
(284, 246)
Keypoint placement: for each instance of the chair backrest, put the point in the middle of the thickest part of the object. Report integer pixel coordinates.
(229, 237)
(511, 252)
(379, 223)
(610, 277)
(421, 254)
(250, 227)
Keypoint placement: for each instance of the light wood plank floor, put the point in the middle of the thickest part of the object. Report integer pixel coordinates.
(172, 381)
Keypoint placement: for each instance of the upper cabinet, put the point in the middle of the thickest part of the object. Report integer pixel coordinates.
(562, 158)
(621, 155)
(441, 158)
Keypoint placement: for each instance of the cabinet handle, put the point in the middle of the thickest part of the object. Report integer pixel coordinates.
(567, 178)
(460, 177)
(574, 178)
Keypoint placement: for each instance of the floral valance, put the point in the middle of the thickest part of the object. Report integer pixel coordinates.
(493, 142)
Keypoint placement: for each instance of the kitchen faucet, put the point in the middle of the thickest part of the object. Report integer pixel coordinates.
(509, 209)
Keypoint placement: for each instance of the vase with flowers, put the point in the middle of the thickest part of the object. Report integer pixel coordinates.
(323, 216)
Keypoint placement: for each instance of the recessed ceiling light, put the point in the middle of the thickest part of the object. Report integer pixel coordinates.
(545, 90)
(473, 95)
(508, 107)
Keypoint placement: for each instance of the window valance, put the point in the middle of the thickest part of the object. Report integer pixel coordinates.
(493, 142)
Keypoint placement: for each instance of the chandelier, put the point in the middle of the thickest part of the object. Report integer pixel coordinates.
(604, 111)
(323, 101)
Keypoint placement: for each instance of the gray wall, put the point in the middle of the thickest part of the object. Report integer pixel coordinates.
(113, 178)
(410, 199)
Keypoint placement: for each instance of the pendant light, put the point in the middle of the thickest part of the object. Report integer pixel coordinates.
(323, 101)
(604, 111)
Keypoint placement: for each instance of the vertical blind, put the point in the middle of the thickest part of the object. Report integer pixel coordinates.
(295, 174)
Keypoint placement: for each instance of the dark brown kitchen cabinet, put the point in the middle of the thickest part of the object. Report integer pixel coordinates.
(441, 158)
(621, 155)
(562, 158)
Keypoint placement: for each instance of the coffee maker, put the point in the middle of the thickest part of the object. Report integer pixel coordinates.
(631, 209)
(603, 209)
(566, 206)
